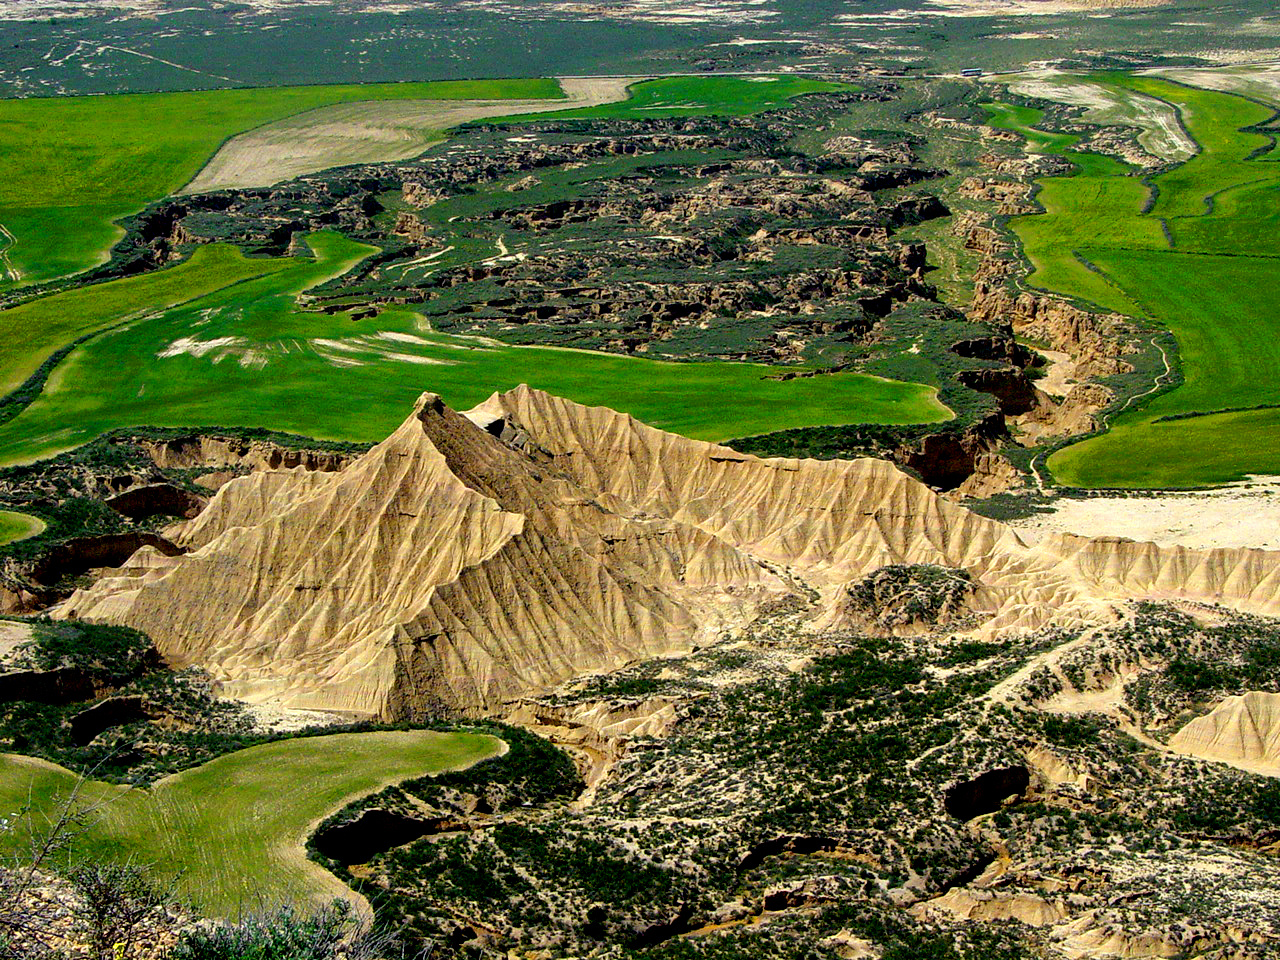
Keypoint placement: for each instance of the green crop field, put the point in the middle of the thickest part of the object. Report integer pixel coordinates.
(245, 356)
(71, 166)
(1203, 261)
(229, 835)
(330, 377)
(18, 526)
(32, 331)
(700, 97)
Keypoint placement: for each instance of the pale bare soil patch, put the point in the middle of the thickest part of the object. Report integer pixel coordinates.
(1242, 515)
(1162, 133)
(668, 12)
(1030, 8)
(1261, 81)
(12, 636)
(371, 132)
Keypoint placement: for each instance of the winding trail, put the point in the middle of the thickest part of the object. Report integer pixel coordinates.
(6, 265)
(1160, 381)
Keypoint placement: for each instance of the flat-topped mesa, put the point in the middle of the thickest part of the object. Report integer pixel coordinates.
(469, 560)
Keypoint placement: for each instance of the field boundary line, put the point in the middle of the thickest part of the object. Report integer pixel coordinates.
(168, 63)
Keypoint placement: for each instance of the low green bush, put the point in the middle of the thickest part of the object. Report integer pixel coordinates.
(280, 934)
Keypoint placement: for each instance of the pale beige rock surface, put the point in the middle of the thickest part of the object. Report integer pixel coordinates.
(450, 567)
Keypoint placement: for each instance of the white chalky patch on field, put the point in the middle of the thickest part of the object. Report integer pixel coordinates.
(192, 347)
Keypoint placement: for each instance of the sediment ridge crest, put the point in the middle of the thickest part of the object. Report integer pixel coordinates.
(469, 560)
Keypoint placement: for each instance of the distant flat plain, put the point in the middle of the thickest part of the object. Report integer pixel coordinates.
(71, 166)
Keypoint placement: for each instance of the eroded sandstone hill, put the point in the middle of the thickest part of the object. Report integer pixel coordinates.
(472, 559)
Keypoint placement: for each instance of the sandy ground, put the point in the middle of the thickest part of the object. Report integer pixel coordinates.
(269, 718)
(370, 132)
(1056, 381)
(12, 636)
(1162, 133)
(1246, 514)
(45, 9)
(670, 12)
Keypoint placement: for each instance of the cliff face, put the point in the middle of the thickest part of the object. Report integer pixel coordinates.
(1090, 339)
(470, 560)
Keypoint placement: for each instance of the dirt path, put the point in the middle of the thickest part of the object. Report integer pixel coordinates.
(7, 268)
(372, 131)
(1160, 381)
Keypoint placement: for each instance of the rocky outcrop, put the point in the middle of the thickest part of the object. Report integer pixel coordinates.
(987, 905)
(1011, 387)
(948, 460)
(81, 554)
(996, 348)
(450, 569)
(1010, 197)
(1075, 415)
(899, 600)
(156, 500)
(199, 450)
(992, 473)
(1093, 341)
(986, 793)
(595, 733)
(105, 714)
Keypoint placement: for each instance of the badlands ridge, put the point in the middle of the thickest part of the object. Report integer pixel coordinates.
(473, 559)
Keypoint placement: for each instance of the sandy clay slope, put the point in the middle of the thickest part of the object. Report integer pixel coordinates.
(1243, 731)
(471, 559)
(369, 132)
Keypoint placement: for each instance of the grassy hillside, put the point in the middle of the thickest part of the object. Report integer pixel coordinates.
(244, 356)
(230, 834)
(71, 166)
(18, 526)
(1196, 252)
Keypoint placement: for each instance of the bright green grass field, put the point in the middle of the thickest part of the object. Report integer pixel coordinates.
(71, 166)
(701, 97)
(31, 332)
(18, 526)
(244, 356)
(229, 835)
(1211, 280)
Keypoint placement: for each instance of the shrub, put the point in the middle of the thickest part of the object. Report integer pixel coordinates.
(1191, 674)
(282, 934)
(112, 655)
(114, 902)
